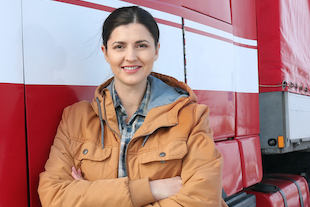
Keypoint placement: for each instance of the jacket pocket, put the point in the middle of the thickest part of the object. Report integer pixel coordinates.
(163, 162)
(93, 160)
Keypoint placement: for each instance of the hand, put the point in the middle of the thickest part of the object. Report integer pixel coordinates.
(77, 174)
(164, 188)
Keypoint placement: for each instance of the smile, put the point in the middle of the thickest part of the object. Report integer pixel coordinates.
(131, 68)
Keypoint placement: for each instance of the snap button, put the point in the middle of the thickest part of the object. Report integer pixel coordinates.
(162, 154)
(85, 151)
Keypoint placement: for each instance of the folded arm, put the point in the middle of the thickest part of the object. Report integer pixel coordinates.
(201, 169)
(57, 187)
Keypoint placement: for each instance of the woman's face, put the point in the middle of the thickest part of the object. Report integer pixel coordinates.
(131, 53)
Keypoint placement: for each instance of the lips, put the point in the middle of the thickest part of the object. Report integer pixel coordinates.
(131, 67)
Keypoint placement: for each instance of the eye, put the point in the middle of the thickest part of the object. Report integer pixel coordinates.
(142, 46)
(118, 47)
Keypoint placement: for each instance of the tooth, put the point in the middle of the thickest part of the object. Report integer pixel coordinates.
(131, 68)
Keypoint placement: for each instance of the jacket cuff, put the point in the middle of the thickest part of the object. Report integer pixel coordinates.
(140, 192)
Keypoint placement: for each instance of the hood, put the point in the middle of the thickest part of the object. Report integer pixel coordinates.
(168, 96)
(162, 94)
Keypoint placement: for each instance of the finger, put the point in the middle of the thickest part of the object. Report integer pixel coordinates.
(75, 177)
(75, 174)
(73, 169)
(80, 172)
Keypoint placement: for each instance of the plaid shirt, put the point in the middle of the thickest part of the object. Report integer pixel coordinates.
(128, 129)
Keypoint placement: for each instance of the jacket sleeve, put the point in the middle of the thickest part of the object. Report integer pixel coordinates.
(58, 188)
(201, 169)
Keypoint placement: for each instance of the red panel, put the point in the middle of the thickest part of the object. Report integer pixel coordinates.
(44, 106)
(267, 199)
(247, 114)
(244, 18)
(251, 160)
(288, 187)
(232, 173)
(283, 43)
(13, 167)
(218, 9)
(269, 60)
(222, 111)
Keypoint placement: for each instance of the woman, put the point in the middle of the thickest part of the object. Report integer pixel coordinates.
(142, 141)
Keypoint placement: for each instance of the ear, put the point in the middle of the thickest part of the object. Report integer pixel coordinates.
(157, 51)
(105, 52)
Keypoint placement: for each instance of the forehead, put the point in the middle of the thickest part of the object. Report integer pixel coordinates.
(130, 32)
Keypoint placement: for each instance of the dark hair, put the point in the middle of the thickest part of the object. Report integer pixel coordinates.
(127, 15)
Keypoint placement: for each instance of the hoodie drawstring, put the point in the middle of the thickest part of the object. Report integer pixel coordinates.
(145, 139)
(102, 126)
(101, 122)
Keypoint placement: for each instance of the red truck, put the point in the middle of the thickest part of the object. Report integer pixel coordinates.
(249, 61)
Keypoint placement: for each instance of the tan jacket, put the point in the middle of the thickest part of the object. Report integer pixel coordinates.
(179, 143)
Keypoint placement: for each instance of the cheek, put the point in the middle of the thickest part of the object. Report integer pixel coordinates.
(150, 58)
(113, 59)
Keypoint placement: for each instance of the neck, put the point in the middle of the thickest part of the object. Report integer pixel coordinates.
(130, 96)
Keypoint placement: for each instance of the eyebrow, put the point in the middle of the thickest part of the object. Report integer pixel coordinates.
(137, 42)
(140, 41)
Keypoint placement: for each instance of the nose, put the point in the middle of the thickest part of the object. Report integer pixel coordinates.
(131, 54)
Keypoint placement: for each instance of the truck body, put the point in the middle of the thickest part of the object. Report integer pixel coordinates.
(249, 61)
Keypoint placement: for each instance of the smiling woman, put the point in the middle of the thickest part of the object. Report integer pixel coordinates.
(142, 141)
(131, 52)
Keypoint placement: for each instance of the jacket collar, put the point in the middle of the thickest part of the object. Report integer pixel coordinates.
(168, 96)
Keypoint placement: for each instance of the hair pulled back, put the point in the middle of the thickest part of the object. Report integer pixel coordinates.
(127, 15)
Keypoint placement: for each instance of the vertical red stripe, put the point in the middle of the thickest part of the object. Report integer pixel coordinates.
(13, 168)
